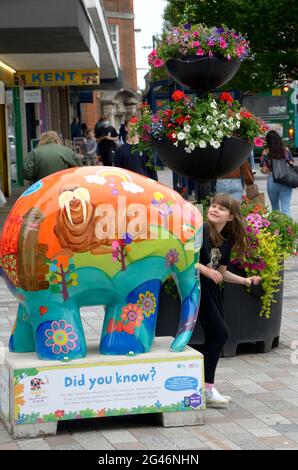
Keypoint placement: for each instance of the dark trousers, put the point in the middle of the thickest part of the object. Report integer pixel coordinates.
(215, 329)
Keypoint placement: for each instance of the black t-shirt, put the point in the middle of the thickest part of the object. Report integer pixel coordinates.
(134, 161)
(212, 255)
(106, 146)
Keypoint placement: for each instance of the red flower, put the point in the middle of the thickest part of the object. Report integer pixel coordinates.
(168, 112)
(178, 95)
(133, 120)
(181, 120)
(245, 114)
(59, 413)
(226, 97)
(170, 136)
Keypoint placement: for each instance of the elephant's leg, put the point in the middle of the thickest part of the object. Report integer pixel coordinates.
(190, 300)
(129, 325)
(59, 333)
(22, 337)
(117, 334)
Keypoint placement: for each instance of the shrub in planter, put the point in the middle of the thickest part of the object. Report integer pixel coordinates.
(252, 315)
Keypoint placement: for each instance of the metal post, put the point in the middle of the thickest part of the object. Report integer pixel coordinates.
(18, 134)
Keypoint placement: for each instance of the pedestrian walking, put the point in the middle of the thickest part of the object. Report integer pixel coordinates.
(224, 231)
(235, 181)
(279, 194)
(127, 156)
(106, 136)
(48, 157)
(75, 129)
(122, 133)
(89, 149)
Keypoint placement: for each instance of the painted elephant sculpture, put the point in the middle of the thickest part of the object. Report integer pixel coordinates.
(98, 236)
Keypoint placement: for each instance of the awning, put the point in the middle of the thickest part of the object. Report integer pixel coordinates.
(52, 35)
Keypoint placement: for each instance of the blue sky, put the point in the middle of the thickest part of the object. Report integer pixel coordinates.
(148, 17)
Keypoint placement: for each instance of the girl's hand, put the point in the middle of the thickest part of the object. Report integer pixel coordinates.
(214, 275)
(252, 280)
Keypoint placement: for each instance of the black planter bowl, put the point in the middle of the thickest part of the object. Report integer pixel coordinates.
(204, 163)
(202, 73)
(242, 315)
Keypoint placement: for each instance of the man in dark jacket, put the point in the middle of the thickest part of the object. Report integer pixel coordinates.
(106, 136)
(48, 157)
(127, 157)
(76, 130)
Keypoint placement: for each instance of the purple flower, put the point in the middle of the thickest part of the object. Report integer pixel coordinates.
(127, 239)
(187, 26)
(172, 258)
(220, 30)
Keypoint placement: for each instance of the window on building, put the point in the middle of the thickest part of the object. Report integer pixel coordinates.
(114, 31)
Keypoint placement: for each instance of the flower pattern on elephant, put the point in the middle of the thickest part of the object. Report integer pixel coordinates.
(147, 303)
(172, 258)
(61, 338)
(132, 313)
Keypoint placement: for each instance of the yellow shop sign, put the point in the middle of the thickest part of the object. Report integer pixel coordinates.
(57, 77)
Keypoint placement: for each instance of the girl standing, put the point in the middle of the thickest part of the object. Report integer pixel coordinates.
(223, 231)
(279, 194)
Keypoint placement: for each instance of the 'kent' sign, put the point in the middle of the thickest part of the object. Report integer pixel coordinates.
(40, 78)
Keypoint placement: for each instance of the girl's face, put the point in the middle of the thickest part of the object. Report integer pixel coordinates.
(219, 215)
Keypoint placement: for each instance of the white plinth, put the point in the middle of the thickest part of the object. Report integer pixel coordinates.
(35, 395)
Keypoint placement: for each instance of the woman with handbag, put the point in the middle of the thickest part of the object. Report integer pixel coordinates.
(279, 194)
(233, 182)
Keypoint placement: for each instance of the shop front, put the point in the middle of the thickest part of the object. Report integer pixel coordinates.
(7, 131)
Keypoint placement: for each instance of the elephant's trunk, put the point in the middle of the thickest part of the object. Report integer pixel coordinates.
(189, 313)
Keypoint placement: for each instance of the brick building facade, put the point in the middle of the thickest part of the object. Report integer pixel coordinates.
(114, 99)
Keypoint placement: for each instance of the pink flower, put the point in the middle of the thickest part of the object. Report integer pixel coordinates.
(262, 266)
(222, 43)
(276, 232)
(145, 137)
(229, 57)
(195, 34)
(158, 63)
(240, 51)
(210, 53)
(153, 53)
(196, 44)
(258, 141)
(200, 52)
(211, 43)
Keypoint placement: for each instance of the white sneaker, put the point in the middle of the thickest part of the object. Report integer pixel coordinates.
(215, 400)
(227, 397)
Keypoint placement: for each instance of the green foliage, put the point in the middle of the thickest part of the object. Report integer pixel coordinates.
(88, 413)
(20, 374)
(271, 28)
(272, 238)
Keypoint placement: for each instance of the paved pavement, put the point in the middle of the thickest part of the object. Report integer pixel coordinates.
(264, 387)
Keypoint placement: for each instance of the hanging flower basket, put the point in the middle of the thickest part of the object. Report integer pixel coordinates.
(203, 139)
(204, 163)
(202, 73)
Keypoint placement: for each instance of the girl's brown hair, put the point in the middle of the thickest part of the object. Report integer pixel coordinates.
(234, 231)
